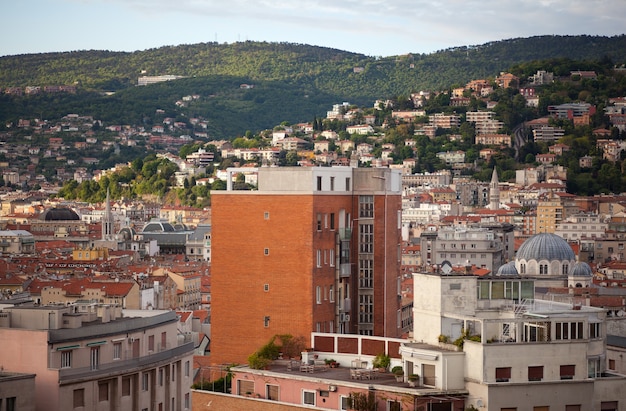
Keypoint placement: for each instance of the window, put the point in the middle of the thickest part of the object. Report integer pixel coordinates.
(266, 321)
(543, 268)
(366, 273)
(117, 350)
(572, 407)
(145, 381)
(326, 221)
(332, 221)
(569, 331)
(79, 397)
(319, 183)
(332, 184)
(567, 372)
(347, 183)
(308, 398)
(186, 368)
(331, 254)
(605, 406)
(319, 258)
(594, 330)
(611, 364)
(266, 251)
(366, 238)
(319, 221)
(103, 391)
(266, 287)
(151, 343)
(266, 215)
(344, 402)
(187, 402)
(272, 392)
(95, 357)
(366, 309)
(126, 386)
(161, 374)
(393, 406)
(331, 294)
(366, 206)
(503, 374)
(318, 294)
(66, 359)
(535, 373)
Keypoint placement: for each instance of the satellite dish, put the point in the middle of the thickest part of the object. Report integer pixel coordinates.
(479, 403)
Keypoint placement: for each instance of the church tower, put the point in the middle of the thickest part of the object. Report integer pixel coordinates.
(107, 220)
(494, 191)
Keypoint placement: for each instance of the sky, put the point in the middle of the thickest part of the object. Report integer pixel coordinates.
(371, 27)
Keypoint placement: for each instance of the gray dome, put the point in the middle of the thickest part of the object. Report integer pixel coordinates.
(507, 269)
(158, 227)
(127, 233)
(59, 214)
(581, 269)
(545, 246)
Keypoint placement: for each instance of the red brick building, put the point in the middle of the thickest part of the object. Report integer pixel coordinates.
(313, 250)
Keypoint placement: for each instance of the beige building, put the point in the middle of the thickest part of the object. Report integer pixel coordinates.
(16, 242)
(187, 281)
(121, 293)
(16, 391)
(95, 357)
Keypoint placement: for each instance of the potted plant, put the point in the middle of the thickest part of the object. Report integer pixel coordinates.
(381, 361)
(413, 380)
(331, 363)
(398, 372)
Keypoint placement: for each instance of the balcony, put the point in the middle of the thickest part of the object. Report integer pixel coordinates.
(345, 234)
(67, 375)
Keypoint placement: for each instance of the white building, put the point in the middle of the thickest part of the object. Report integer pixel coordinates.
(518, 352)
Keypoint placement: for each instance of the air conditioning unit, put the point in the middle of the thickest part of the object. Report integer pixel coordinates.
(131, 340)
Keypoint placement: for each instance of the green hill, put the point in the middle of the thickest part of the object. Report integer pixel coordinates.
(293, 82)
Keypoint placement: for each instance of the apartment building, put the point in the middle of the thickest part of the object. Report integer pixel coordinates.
(487, 246)
(94, 357)
(548, 133)
(314, 249)
(442, 120)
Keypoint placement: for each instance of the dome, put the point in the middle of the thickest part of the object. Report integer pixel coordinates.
(59, 214)
(127, 233)
(507, 269)
(545, 246)
(581, 269)
(158, 227)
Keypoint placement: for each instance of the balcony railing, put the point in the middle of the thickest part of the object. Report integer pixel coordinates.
(71, 374)
(345, 233)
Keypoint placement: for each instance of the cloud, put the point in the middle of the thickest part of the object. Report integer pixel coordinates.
(372, 27)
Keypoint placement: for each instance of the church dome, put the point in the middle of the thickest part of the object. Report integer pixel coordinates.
(127, 233)
(582, 269)
(59, 214)
(507, 269)
(545, 246)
